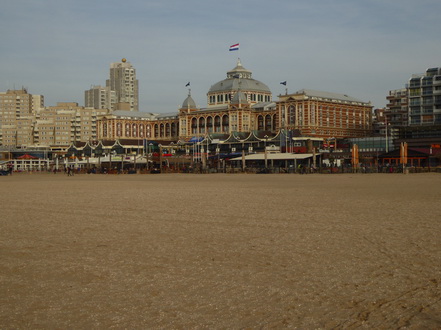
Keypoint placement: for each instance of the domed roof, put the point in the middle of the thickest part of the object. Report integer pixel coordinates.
(247, 83)
(188, 103)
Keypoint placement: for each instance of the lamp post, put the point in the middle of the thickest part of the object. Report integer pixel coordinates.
(149, 148)
(266, 156)
(387, 138)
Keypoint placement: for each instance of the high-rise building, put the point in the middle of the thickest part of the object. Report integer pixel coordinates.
(396, 112)
(123, 81)
(99, 97)
(16, 109)
(425, 98)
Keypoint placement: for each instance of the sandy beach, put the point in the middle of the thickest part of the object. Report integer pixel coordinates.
(220, 251)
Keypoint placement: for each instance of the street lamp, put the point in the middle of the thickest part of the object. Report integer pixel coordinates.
(266, 156)
(149, 148)
(387, 138)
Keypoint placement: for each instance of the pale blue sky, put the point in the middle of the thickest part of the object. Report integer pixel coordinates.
(363, 48)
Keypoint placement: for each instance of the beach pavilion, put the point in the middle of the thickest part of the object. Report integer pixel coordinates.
(279, 160)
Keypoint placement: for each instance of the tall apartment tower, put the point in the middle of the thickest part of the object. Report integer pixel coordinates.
(99, 97)
(425, 98)
(396, 112)
(17, 109)
(123, 81)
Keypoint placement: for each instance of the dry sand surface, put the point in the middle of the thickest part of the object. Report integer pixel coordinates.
(220, 251)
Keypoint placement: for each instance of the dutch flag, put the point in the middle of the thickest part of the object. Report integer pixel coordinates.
(234, 47)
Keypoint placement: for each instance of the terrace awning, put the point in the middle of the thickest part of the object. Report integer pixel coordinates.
(27, 156)
(276, 156)
(196, 139)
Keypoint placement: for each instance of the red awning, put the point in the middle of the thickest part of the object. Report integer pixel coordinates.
(27, 156)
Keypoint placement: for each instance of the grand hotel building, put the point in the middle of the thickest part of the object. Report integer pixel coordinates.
(239, 103)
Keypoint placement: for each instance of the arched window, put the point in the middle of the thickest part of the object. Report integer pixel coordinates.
(217, 124)
(225, 124)
(161, 130)
(194, 126)
(210, 124)
(260, 125)
(141, 130)
(202, 125)
(134, 130)
(167, 129)
(268, 123)
(118, 129)
(127, 130)
(105, 130)
(156, 130)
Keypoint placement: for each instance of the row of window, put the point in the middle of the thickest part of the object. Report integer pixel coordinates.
(225, 98)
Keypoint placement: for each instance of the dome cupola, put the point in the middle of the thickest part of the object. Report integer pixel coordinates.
(239, 78)
(189, 103)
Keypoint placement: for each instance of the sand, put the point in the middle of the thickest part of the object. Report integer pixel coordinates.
(220, 251)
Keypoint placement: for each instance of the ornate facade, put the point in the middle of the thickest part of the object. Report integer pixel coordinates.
(325, 115)
(238, 103)
(242, 104)
(139, 125)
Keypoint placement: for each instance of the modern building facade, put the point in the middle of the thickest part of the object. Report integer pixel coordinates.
(425, 98)
(61, 125)
(397, 109)
(99, 97)
(123, 81)
(17, 108)
(24, 123)
(121, 90)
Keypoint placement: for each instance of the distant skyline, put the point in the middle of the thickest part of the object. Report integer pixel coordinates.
(359, 48)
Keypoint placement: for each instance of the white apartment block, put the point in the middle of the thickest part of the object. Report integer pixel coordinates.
(99, 97)
(17, 108)
(120, 92)
(66, 123)
(425, 98)
(25, 122)
(123, 81)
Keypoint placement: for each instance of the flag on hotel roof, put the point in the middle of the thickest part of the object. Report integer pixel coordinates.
(234, 47)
